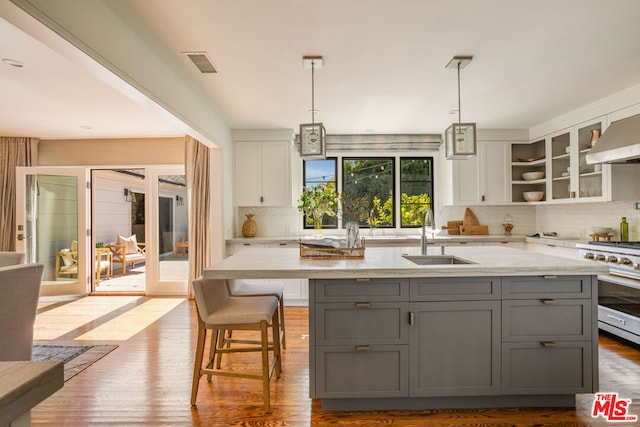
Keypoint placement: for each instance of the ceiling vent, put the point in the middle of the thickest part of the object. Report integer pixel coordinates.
(201, 61)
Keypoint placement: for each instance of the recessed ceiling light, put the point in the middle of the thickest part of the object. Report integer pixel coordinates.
(87, 127)
(13, 62)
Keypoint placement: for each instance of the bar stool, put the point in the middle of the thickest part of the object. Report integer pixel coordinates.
(249, 288)
(218, 311)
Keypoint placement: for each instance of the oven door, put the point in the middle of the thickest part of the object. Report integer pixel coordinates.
(619, 306)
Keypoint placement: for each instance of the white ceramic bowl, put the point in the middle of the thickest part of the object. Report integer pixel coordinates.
(601, 230)
(533, 196)
(530, 176)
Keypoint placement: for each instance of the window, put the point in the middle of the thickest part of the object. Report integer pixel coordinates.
(320, 172)
(416, 189)
(371, 179)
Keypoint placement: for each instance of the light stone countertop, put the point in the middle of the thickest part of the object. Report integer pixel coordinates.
(286, 263)
(441, 238)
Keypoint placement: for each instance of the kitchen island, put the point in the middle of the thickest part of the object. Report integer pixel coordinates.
(507, 328)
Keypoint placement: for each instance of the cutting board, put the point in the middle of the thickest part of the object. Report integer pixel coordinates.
(453, 227)
(474, 229)
(470, 218)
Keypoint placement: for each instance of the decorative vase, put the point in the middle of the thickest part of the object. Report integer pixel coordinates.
(249, 227)
(317, 226)
(595, 135)
(353, 234)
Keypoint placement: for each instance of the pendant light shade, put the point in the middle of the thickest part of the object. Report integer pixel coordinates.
(313, 135)
(460, 138)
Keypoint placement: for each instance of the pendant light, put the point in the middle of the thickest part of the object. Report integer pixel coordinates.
(460, 138)
(312, 135)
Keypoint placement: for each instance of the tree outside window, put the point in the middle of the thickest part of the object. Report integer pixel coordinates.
(416, 189)
(320, 172)
(373, 180)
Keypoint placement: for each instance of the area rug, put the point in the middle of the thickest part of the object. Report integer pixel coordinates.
(76, 358)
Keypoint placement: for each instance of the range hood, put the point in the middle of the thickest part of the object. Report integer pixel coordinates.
(620, 143)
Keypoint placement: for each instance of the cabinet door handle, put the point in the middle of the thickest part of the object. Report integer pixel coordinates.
(550, 277)
(411, 318)
(363, 279)
(548, 344)
(261, 199)
(548, 301)
(362, 348)
(362, 305)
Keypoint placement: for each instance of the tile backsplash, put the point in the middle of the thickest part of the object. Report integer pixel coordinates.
(568, 220)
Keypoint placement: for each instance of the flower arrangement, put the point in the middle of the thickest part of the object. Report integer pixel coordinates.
(318, 201)
(354, 209)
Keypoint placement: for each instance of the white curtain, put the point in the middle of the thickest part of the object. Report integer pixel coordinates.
(198, 164)
(14, 151)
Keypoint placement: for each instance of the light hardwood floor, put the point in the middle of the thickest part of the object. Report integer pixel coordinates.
(147, 379)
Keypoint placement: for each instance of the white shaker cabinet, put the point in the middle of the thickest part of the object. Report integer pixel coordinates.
(482, 179)
(263, 169)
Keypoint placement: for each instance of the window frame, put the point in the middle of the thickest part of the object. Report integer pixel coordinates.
(305, 225)
(430, 179)
(392, 160)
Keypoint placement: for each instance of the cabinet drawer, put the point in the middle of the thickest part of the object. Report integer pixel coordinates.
(373, 371)
(546, 320)
(532, 368)
(546, 287)
(362, 323)
(357, 290)
(456, 288)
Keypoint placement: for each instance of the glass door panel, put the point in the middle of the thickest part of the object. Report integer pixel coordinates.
(50, 216)
(173, 247)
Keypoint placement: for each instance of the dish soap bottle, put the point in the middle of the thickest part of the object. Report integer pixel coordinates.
(624, 230)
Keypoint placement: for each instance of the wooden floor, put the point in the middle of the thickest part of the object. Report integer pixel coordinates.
(147, 379)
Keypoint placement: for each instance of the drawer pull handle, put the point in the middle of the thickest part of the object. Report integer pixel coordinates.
(362, 305)
(411, 318)
(362, 348)
(363, 279)
(550, 277)
(548, 301)
(548, 344)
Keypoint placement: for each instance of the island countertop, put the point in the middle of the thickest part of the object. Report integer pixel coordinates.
(388, 262)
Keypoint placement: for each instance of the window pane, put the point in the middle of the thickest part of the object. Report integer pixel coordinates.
(416, 187)
(373, 180)
(320, 172)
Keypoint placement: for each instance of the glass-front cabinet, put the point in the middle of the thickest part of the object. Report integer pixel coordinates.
(554, 168)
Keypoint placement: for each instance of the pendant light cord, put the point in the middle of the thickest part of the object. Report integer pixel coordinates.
(313, 105)
(459, 109)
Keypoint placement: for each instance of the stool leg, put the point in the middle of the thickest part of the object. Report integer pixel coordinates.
(277, 354)
(284, 339)
(197, 364)
(265, 366)
(212, 351)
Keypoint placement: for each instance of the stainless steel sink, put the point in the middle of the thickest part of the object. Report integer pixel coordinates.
(436, 259)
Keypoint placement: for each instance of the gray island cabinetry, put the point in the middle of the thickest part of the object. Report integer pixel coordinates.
(510, 328)
(464, 341)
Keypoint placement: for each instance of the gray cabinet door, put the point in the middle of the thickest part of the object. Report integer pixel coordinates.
(362, 323)
(343, 290)
(546, 320)
(362, 371)
(528, 287)
(454, 288)
(546, 368)
(455, 348)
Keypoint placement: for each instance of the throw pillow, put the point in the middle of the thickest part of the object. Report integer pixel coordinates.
(130, 244)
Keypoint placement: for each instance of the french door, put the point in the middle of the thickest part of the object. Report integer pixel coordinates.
(52, 226)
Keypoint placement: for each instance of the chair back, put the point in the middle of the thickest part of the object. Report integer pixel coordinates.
(209, 294)
(20, 289)
(11, 258)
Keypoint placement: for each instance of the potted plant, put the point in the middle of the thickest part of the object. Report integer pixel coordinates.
(317, 201)
(354, 211)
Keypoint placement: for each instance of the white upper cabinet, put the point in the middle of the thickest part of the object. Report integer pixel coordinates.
(263, 168)
(567, 176)
(482, 179)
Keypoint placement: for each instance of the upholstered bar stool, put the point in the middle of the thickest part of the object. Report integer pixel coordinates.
(219, 311)
(248, 288)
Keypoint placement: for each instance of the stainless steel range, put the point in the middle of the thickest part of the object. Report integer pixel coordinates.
(618, 291)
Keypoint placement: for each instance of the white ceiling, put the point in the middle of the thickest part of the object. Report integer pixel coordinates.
(384, 64)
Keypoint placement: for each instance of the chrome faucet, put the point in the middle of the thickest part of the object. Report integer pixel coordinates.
(423, 239)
